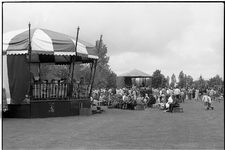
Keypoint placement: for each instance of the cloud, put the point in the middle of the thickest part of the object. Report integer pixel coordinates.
(171, 37)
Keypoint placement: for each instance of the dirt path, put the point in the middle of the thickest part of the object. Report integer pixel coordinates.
(196, 128)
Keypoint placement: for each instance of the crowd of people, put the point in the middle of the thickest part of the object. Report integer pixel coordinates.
(165, 98)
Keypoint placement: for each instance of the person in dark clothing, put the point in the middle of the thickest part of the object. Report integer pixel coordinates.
(152, 101)
(193, 93)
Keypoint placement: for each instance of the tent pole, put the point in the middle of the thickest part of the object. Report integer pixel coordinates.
(74, 59)
(29, 53)
(89, 86)
(93, 76)
(95, 66)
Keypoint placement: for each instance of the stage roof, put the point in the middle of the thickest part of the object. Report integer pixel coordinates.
(135, 74)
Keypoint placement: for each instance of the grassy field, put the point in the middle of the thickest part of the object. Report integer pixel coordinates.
(195, 128)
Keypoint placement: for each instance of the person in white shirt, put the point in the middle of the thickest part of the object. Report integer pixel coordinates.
(146, 100)
(169, 102)
(177, 93)
(207, 101)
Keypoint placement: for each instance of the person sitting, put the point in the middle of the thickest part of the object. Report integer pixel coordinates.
(169, 103)
(175, 103)
(152, 101)
(114, 104)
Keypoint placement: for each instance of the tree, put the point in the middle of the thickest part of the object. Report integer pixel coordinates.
(82, 70)
(158, 79)
(189, 81)
(104, 76)
(167, 81)
(50, 71)
(111, 79)
(217, 80)
(182, 80)
(200, 83)
(173, 80)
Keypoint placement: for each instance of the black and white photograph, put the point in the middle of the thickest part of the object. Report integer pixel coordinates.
(112, 75)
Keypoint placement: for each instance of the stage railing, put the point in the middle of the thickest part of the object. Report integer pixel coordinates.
(53, 91)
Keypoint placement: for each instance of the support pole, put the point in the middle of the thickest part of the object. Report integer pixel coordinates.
(93, 70)
(89, 86)
(29, 54)
(73, 63)
(94, 67)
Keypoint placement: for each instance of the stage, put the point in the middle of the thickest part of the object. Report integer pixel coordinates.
(47, 108)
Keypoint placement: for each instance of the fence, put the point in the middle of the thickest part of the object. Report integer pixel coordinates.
(55, 90)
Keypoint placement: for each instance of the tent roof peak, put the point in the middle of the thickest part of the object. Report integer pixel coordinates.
(135, 73)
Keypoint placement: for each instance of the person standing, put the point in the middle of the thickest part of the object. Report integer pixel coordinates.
(146, 100)
(125, 101)
(196, 94)
(134, 94)
(193, 93)
(211, 94)
(182, 95)
(177, 93)
(189, 93)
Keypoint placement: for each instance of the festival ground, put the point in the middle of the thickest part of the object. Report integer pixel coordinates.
(195, 128)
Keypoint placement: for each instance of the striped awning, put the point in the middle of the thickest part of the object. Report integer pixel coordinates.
(44, 42)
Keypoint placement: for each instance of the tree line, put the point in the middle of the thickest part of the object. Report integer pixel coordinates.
(186, 81)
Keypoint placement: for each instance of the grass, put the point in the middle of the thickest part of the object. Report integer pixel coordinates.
(195, 128)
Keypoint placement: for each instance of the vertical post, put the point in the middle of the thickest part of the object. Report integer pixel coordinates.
(94, 67)
(89, 86)
(73, 63)
(29, 54)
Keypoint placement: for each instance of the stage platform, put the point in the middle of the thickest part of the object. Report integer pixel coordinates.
(47, 108)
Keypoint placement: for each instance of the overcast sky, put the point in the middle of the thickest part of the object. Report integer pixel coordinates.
(171, 37)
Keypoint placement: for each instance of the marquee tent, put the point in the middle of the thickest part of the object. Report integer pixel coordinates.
(125, 79)
(46, 46)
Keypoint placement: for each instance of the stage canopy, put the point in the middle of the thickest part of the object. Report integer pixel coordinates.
(46, 47)
(125, 80)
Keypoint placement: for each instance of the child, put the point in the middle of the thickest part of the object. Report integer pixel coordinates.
(207, 101)
(146, 100)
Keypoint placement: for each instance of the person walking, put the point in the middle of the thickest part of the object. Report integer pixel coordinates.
(207, 101)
